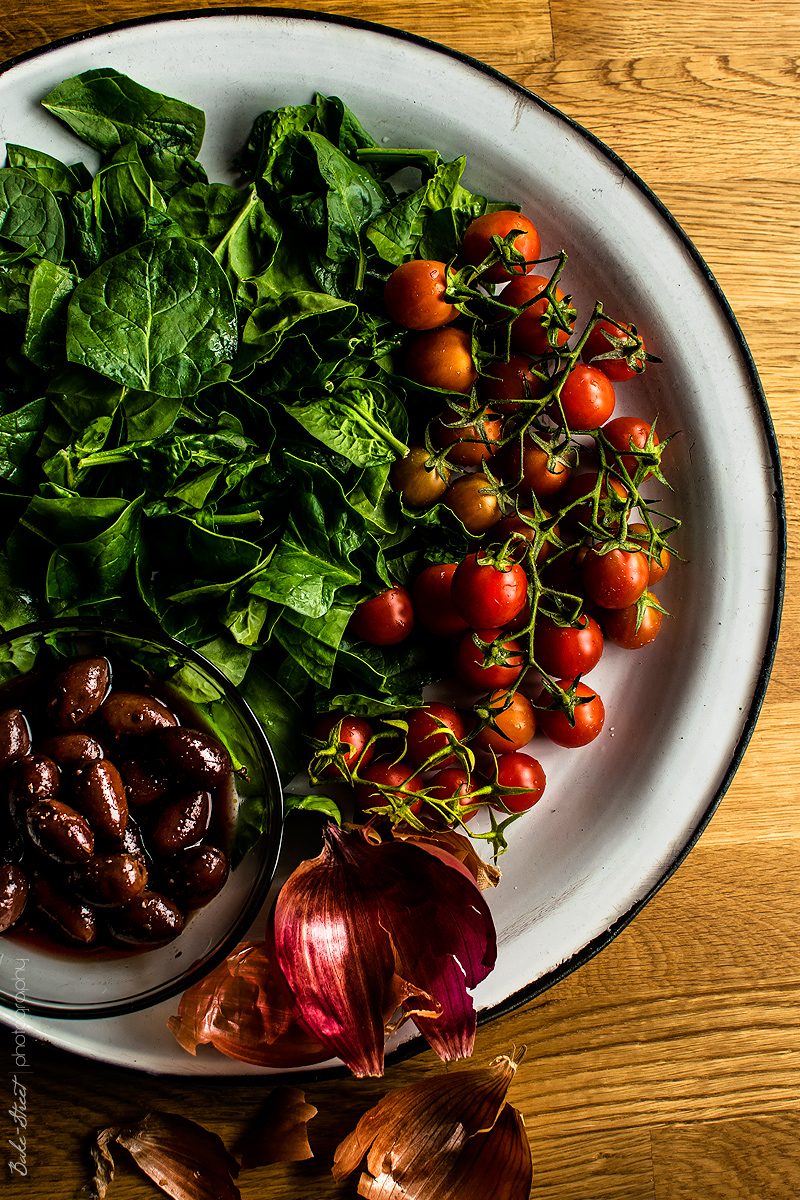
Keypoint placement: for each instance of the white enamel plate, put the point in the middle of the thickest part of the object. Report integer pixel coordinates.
(619, 815)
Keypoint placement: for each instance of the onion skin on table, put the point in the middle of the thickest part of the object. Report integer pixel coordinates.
(344, 941)
(451, 1136)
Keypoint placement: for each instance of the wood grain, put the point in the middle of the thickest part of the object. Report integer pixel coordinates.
(668, 1067)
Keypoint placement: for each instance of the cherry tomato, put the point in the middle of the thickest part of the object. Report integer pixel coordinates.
(516, 724)
(487, 596)
(626, 433)
(426, 736)
(567, 651)
(477, 245)
(616, 369)
(519, 770)
(528, 334)
(442, 358)
(615, 579)
(399, 775)
(589, 718)
(419, 487)
(468, 448)
(507, 525)
(506, 383)
(385, 619)
(453, 783)
(528, 468)
(659, 565)
(578, 518)
(470, 499)
(619, 625)
(414, 295)
(355, 731)
(587, 398)
(504, 671)
(433, 601)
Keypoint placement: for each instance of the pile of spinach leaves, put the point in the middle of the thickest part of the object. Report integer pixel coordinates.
(198, 411)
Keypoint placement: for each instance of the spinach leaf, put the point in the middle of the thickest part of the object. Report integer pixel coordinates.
(30, 219)
(58, 178)
(81, 575)
(20, 433)
(45, 332)
(280, 717)
(106, 109)
(159, 317)
(313, 642)
(363, 420)
(277, 319)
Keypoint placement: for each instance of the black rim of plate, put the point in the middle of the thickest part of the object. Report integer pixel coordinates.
(252, 903)
(524, 995)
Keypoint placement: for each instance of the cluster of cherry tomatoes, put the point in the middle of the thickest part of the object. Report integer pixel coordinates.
(529, 459)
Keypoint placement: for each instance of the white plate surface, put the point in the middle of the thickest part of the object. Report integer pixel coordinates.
(619, 814)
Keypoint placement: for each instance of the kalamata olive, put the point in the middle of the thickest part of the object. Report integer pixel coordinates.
(60, 832)
(149, 920)
(29, 780)
(193, 877)
(72, 749)
(181, 823)
(143, 785)
(77, 692)
(15, 736)
(70, 916)
(109, 880)
(194, 756)
(131, 841)
(126, 713)
(99, 793)
(13, 894)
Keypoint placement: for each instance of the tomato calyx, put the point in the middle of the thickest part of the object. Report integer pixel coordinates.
(645, 601)
(626, 346)
(562, 699)
(647, 457)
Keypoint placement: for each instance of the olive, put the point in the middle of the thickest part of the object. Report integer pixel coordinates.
(99, 793)
(142, 785)
(131, 713)
(109, 880)
(30, 780)
(72, 749)
(131, 841)
(60, 832)
(77, 692)
(149, 920)
(15, 736)
(196, 757)
(13, 894)
(71, 917)
(194, 876)
(181, 823)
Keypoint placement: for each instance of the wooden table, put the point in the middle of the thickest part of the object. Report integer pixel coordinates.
(668, 1068)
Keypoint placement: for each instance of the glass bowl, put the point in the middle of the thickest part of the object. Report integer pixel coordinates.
(38, 978)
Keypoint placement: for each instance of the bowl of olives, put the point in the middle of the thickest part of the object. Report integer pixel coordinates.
(140, 817)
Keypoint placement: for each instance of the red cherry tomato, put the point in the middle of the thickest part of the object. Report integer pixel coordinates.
(567, 652)
(453, 783)
(487, 596)
(442, 358)
(504, 671)
(659, 564)
(355, 731)
(575, 521)
(527, 468)
(414, 295)
(589, 718)
(426, 736)
(385, 619)
(504, 528)
(528, 334)
(619, 625)
(401, 776)
(587, 399)
(506, 383)
(477, 244)
(519, 770)
(433, 601)
(615, 579)
(470, 498)
(468, 447)
(616, 369)
(626, 433)
(516, 724)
